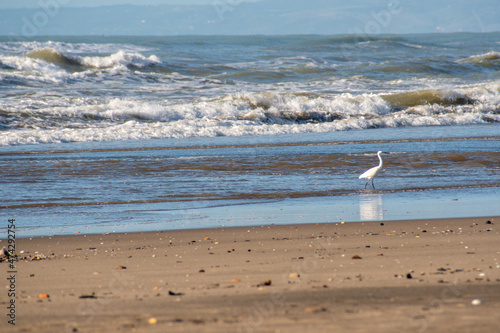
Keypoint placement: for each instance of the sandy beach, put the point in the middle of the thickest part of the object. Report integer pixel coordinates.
(397, 276)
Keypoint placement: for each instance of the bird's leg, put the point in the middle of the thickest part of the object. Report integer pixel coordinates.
(372, 184)
(367, 183)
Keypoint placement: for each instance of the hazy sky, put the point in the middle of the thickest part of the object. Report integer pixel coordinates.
(246, 17)
(91, 3)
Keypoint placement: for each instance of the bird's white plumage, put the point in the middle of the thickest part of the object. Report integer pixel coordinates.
(372, 173)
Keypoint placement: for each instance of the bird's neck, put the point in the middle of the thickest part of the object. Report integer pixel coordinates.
(381, 162)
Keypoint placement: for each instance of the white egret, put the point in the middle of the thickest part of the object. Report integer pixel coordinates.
(373, 172)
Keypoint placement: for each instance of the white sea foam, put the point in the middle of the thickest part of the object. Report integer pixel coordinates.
(243, 114)
(120, 58)
(51, 66)
(479, 58)
(22, 48)
(33, 70)
(135, 130)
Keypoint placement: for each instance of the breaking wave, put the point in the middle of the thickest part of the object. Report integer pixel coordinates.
(248, 114)
(119, 58)
(50, 65)
(51, 56)
(490, 59)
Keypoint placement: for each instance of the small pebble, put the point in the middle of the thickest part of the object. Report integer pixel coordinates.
(476, 302)
(315, 310)
(265, 283)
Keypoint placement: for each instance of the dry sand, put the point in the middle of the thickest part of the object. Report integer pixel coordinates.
(400, 276)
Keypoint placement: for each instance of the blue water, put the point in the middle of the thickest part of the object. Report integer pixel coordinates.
(103, 134)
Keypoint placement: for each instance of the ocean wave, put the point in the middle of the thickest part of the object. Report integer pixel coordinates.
(272, 108)
(121, 58)
(51, 56)
(50, 66)
(26, 70)
(136, 130)
(426, 97)
(490, 59)
(261, 113)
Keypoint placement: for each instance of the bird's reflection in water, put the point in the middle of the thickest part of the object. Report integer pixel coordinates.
(370, 207)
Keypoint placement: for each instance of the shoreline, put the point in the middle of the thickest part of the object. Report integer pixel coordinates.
(246, 227)
(363, 208)
(390, 276)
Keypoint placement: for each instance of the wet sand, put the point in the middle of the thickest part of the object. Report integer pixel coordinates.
(397, 276)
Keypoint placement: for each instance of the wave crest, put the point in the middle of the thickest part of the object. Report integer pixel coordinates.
(429, 96)
(53, 57)
(490, 59)
(121, 58)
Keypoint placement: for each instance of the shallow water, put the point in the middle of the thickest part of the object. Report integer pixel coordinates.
(168, 184)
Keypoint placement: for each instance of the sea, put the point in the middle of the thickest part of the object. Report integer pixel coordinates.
(103, 134)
